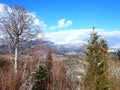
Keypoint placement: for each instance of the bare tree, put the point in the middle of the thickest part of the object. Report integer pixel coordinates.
(18, 24)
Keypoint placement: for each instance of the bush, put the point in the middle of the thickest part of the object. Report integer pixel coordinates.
(3, 62)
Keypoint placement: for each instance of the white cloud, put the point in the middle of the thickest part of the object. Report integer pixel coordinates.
(69, 22)
(2, 7)
(36, 21)
(69, 36)
(82, 35)
(43, 25)
(53, 27)
(62, 23)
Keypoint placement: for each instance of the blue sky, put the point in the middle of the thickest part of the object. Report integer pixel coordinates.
(68, 17)
(103, 14)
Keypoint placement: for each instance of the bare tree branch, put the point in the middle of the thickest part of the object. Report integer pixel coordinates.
(19, 25)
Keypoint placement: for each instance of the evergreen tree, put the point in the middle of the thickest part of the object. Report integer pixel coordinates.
(40, 78)
(43, 77)
(96, 54)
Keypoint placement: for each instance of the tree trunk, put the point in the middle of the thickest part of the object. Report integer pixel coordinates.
(9, 48)
(15, 59)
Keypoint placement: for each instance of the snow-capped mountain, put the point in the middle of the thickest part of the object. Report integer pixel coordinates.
(77, 38)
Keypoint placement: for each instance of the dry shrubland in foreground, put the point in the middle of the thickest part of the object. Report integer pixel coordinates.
(39, 68)
(26, 66)
(60, 73)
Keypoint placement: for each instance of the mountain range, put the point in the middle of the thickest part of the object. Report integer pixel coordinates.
(62, 49)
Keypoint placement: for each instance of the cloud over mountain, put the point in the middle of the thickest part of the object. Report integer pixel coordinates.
(82, 36)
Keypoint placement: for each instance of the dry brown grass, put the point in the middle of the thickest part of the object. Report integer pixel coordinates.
(8, 79)
(26, 65)
(114, 73)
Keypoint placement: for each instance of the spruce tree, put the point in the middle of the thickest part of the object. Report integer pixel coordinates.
(39, 78)
(96, 54)
(43, 77)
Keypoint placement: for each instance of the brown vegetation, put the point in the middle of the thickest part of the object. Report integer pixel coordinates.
(40, 66)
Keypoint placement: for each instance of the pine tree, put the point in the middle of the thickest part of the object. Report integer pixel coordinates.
(43, 77)
(96, 54)
(40, 78)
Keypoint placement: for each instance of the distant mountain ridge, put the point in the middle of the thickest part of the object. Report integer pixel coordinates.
(75, 48)
(62, 49)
